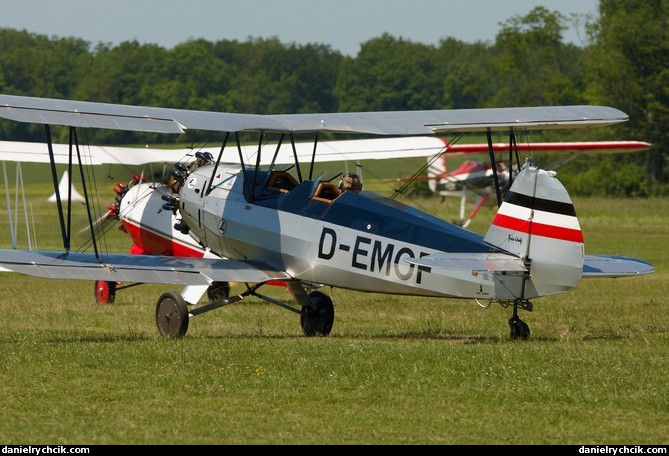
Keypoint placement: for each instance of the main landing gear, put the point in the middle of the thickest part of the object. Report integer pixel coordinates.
(316, 310)
(105, 291)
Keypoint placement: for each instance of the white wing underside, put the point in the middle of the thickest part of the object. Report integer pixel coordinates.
(328, 151)
(136, 268)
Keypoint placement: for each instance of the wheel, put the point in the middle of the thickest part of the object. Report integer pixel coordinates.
(172, 315)
(519, 329)
(317, 319)
(105, 292)
(218, 291)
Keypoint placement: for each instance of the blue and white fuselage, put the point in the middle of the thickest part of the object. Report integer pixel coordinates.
(357, 240)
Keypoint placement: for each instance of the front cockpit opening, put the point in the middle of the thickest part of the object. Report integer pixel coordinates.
(281, 181)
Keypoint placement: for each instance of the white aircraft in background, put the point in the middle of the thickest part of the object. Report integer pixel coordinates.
(268, 224)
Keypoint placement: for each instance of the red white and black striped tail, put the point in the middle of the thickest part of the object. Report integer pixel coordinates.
(537, 222)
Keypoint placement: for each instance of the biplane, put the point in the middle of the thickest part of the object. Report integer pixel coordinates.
(283, 223)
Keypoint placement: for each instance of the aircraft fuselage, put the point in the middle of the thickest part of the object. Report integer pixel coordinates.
(357, 240)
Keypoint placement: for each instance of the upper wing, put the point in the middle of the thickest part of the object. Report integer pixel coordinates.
(166, 120)
(137, 268)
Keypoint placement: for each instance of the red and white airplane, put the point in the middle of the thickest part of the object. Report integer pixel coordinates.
(476, 178)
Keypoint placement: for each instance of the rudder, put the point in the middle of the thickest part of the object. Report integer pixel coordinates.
(537, 222)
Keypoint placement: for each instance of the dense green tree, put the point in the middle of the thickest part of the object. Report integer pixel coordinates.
(190, 76)
(36, 65)
(629, 70)
(273, 78)
(118, 74)
(390, 74)
(534, 66)
(466, 72)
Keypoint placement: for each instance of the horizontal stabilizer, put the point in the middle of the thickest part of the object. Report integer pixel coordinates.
(495, 262)
(136, 268)
(614, 266)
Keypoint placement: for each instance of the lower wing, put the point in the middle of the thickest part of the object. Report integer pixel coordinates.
(136, 268)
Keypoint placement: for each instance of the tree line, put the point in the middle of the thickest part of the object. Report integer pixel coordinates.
(622, 63)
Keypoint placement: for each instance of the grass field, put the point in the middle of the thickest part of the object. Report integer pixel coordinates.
(395, 370)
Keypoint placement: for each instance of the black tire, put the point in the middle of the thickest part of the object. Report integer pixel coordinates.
(317, 319)
(519, 329)
(105, 292)
(218, 291)
(172, 315)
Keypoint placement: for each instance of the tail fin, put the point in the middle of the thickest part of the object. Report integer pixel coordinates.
(435, 168)
(537, 222)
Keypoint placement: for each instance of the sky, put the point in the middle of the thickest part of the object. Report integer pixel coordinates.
(342, 24)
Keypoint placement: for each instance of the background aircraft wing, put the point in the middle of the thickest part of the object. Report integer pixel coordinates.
(166, 120)
(343, 150)
(34, 152)
(571, 147)
(137, 268)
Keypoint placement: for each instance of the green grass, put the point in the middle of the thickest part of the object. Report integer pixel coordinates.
(395, 370)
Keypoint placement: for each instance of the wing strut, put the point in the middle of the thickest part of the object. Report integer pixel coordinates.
(513, 148)
(54, 175)
(297, 162)
(73, 135)
(239, 150)
(276, 153)
(494, 168)
(255, 172)
(218, 160)
(313, 157)
(66, 230)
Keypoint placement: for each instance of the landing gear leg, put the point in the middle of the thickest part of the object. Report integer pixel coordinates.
(218, 291)
(519, 329)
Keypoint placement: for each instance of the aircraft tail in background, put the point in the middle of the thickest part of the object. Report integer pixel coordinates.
(65, 191)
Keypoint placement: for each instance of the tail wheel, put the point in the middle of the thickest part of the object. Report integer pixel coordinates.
(519, 329)
(172, 315)
(317, 319)
(105, 292)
